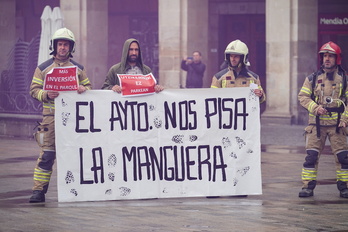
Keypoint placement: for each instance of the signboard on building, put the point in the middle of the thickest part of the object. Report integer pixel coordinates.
(333, 22)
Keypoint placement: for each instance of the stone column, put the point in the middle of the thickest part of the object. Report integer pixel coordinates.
(172, 36)
(88, 20)
(305, 52)
(180, 34)
(291, 37)
(197, 31)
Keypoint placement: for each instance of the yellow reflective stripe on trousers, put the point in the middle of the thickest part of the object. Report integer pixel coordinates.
(326, 117)
(48, 105)
(309, 174)
(43, 176)
(342, 175)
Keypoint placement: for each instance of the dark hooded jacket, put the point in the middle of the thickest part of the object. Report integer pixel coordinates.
(122, 67)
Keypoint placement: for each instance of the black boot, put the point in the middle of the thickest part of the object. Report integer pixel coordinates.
(38, 196)
(308, 192)
(344, 193)
(342, 187)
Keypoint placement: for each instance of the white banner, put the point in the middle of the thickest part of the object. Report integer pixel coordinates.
(177, 143)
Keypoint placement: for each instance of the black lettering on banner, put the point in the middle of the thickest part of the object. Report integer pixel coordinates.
(226, 110)
(136, 112)
(189, 162)
(145, 164)
(123, 119)
(156, 165)
(114, 105)
(187, 117)
(96, 168)
(204, 162)
(216, 111)
(177, 165)
(81, 118)
(169, 115)
(173, 163)
(91, 126)
(82, 180)
(124, 110)
(219, 153)
(129, 156)
(229, 112)
(242, 114)
(174, 170)
(142, 114)
(171, 175)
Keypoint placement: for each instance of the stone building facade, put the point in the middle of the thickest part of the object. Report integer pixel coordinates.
(283, 37)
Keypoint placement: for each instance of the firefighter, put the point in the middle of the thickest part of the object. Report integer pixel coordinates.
(237, 73)
(324, 94)
(62, 47)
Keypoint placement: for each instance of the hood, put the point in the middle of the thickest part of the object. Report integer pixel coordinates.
(124, 63)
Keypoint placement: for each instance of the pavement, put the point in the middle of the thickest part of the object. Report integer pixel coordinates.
(278, 209)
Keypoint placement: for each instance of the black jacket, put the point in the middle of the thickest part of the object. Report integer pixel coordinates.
(195, 73)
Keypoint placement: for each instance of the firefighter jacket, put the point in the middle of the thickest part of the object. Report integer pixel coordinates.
(329, 91)
(122, 67)
(36, 87)
(228, 78)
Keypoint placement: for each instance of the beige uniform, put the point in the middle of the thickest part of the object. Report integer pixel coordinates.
(45, 135)
(228, 78)
(328, 91)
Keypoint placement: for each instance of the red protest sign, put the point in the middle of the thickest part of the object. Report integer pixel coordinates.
(137, 84)
(61, 79)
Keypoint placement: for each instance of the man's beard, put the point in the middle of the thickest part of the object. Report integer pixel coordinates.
(330, 66)
(132, 59)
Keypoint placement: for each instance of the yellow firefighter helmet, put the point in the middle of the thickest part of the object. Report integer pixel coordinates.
(62, 34)
(237, 47)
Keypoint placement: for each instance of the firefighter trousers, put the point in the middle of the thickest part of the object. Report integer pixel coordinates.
(314, 147)
(45, 137)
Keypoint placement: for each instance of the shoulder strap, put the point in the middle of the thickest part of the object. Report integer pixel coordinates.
(221, 73)
(342, 73)
(312, 79)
